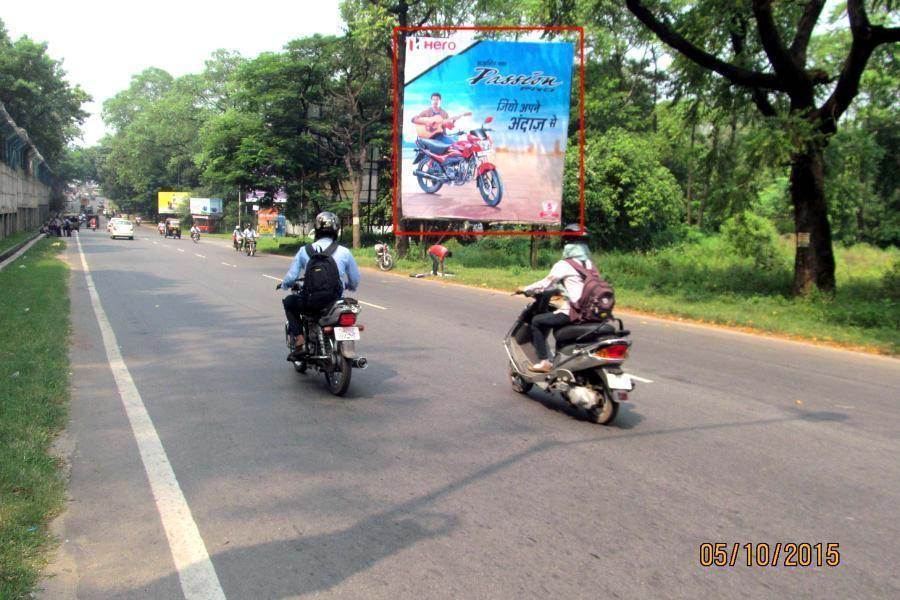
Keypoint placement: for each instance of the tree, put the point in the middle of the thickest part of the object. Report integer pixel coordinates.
(794, 85)
(34, 89)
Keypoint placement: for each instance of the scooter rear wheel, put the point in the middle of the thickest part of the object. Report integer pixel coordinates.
(605, 413)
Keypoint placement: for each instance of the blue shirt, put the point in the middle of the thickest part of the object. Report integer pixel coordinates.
(346, 265)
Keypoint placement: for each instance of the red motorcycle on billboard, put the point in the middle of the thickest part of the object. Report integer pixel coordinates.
(459, 163)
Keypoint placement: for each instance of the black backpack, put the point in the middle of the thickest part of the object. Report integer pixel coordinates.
(597, 298)
(321, 280)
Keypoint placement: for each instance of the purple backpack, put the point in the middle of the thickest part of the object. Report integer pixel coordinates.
(597, 298)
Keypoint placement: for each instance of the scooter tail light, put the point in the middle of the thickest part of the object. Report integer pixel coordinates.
(347, 319)
(614, 352)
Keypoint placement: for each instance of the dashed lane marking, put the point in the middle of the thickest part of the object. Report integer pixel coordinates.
(270, 277)
(641, 379)
(179, 249)
(199, 255)
(372, 305)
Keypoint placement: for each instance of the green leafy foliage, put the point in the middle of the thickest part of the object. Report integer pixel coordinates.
(754, 237)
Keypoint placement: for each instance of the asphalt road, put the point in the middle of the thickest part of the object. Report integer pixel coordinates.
(432, 478)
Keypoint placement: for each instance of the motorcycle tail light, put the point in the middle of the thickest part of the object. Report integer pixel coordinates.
(614, 352)
(347, 319)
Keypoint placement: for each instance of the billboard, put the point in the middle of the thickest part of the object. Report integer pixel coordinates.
(206, 206)
(169, 203)
(252, 196)
(483, 129)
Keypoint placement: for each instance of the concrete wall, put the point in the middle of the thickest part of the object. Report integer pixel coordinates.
(24, 201)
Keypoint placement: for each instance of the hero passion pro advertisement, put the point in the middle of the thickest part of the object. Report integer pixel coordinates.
(484, 129)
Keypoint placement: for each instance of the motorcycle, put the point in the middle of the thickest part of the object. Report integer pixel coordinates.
(250, 247)
(330, 343)
(237, 243)
(459, 163)
(196, 237)
(587, 367)
(383, 257)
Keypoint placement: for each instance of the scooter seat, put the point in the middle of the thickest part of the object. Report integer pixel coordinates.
(587, 332)
(433, 146)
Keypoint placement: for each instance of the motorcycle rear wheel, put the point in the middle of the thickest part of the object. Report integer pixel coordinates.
(429, 186)
(386, 263)
(490, 187)
(338, 380)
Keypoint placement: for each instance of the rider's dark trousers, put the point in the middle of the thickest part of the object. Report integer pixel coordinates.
(293, 307)
(541, 325)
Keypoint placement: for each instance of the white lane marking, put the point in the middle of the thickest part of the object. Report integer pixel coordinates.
(199, 255)
(227, 265)
(195, 570)
(270, 277)
(372, 305)
(179, 249)
(155, 242)
(641, 379)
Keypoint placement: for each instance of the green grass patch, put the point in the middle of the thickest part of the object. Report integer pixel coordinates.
(14, 239)
(34, 366)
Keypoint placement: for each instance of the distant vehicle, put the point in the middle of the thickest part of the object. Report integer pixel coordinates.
(173, 228)
(74, 222)
(121, 228)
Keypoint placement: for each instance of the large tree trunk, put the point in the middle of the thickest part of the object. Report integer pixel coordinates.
(814, 262)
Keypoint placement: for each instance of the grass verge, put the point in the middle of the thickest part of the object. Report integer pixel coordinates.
(34, 364)
(13, 239)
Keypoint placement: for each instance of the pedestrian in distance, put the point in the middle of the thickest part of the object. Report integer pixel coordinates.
(438, 255)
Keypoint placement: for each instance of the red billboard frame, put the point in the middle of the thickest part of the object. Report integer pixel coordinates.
(395, 163)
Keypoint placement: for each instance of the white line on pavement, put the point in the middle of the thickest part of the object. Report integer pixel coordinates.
(179, 249)
(641, 379)
(270, 277)
(372, 305)
(157, 243)
(195, 570)
(227, 265)
(199, 255)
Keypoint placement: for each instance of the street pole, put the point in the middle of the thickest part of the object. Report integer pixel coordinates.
(239, 207)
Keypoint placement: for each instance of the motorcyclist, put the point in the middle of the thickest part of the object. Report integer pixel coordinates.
(195, 230)
(249, 234)
(326, 228)
(566, 279)
(237, 237)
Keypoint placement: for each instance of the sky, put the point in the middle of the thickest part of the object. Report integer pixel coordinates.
(103, 43)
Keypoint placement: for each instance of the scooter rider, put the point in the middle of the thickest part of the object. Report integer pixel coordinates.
(237, 237)
(562, 276)
(326, 228)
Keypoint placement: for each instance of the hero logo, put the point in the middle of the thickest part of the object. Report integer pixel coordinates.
(420, 44)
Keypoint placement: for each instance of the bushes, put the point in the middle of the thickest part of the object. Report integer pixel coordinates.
(753, 236)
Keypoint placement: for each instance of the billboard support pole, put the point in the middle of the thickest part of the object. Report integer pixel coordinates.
(239, 207)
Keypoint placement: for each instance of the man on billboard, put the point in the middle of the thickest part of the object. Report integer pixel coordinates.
(434, 121)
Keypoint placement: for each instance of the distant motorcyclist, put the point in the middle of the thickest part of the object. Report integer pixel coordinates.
(569, 282)
(249, 233)
(195, 231)
(325, 251)
(237, 237)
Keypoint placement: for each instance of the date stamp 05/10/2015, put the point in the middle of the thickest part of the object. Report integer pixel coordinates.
(778, 554)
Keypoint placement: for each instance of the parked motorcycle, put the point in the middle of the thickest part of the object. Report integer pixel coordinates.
(459, 163)
(250, 247)
(383, 257)
(330, 340)
(587, 367)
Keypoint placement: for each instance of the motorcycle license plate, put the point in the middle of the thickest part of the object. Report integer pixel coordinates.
(618, 382)
(346, 334)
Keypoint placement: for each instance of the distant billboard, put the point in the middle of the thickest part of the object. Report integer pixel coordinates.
(206, 206)
(169, 203)
(256, 195)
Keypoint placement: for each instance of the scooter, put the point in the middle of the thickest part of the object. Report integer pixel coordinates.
(330, 342)
(586, 368)
(196, 237)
